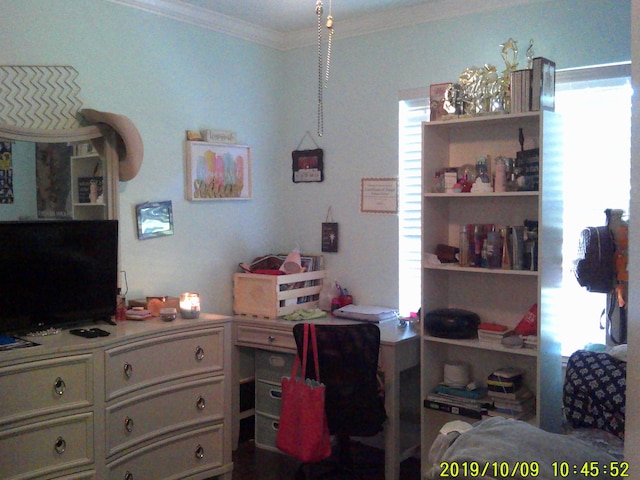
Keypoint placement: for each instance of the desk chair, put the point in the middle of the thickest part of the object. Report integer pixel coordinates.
(354, 404)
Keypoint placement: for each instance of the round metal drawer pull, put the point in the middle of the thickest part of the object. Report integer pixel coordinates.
(128, 475)
(199, 353)
(128, 370)
(60, 445)
(201, 403)
(59, 386)
(128, 424)
(199, 452)
(271, 338)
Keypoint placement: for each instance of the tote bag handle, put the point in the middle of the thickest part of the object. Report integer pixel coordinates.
(309, 331)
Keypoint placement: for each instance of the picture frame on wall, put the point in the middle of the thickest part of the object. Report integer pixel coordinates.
(307, 165)
(217, 172)
(379, 195)
(154, 219)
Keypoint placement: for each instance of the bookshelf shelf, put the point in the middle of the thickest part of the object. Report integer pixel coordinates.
(502, 296)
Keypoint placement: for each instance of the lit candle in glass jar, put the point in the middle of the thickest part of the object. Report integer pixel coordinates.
(190, 305)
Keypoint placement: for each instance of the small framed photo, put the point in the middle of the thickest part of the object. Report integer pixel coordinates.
(330, 237)
(154, 219)
(307, 165)
(217, 172)
(437, 94)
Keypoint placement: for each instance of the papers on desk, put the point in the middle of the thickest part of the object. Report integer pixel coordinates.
(366, 313)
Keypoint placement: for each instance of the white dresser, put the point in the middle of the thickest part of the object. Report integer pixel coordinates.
(148, 401)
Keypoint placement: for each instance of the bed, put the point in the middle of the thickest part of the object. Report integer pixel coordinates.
(594, 398)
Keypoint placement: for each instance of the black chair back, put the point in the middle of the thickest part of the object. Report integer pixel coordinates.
(348, 358)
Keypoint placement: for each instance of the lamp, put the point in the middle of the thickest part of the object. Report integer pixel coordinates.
(190, 305)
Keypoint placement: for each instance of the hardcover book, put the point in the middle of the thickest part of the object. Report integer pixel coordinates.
(466, 411)
(543, 85)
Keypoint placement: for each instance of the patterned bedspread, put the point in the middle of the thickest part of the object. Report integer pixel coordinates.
(594, 391)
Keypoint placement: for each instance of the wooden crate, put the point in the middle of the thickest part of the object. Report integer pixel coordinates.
(272, 296)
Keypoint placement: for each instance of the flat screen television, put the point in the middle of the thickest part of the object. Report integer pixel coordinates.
(57, 273)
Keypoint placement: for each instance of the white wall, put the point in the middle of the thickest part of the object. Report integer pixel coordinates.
(169, 76)
(361, 114)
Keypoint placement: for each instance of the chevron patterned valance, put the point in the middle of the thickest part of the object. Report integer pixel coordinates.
(39, 97)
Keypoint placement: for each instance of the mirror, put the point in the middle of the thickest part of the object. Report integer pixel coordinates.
(61, 175)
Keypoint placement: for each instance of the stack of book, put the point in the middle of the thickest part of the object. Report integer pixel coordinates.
(510, 397)
(533, 89)
(459, 401)
(138, 314)
(492, 333)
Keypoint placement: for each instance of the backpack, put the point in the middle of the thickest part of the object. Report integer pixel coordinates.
(595, 266)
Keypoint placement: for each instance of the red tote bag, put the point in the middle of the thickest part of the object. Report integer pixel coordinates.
(303, 431)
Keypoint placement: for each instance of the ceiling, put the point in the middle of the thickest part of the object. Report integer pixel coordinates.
(287, 16)
(288, 24)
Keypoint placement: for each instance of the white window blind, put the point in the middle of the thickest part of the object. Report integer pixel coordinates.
(412, 113)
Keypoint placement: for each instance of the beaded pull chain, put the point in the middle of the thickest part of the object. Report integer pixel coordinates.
(329, 26)
(331, 31)
(320, 100)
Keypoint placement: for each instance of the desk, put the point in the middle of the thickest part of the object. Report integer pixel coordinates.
(399, 351)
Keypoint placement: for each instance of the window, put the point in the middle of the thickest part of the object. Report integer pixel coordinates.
(595, 104)
(412, 114)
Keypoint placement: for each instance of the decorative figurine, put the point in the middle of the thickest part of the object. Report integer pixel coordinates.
(510, 54)
(530, 54)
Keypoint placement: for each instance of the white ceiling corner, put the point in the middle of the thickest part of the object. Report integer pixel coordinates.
(264, 22)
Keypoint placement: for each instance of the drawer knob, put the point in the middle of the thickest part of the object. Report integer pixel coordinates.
(128, 370)
(128, 475)
(271, 339)
(201, 403)
(199, 452)
(60, 446)
(199, 353)
(128, 424)
(59, 386)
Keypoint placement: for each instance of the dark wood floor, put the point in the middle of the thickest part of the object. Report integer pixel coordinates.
(251, 463)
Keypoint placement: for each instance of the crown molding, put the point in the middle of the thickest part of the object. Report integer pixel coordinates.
(209, 20)
(430, 11)
(398, 18)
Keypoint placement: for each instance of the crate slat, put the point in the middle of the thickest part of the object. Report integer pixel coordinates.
(272, 296)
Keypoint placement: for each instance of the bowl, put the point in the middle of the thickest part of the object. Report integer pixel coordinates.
(168, 314)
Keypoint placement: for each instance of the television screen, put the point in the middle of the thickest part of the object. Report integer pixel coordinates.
(57, 273)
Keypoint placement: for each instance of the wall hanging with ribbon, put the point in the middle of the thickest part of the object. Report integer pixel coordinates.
(307, 164)
(329, 234)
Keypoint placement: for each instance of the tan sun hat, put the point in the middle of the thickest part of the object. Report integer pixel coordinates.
(128, 141)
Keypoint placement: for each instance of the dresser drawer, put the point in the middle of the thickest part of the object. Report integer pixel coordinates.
(163, 410)
(267, 432)
(47, 447)
(44, 387)
(268, 398)
(272, 366)
(180, 456)
(151, 362)
(265, 337)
